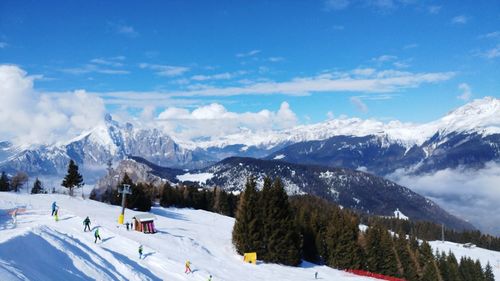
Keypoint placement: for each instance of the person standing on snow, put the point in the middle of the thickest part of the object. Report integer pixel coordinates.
(14, 216)
(210, 278)
(86, 223)
(54, 208)
(188, 267)
(96, 235)
(140, 252)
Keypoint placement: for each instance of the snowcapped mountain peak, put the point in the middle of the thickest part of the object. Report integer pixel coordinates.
(481, 116)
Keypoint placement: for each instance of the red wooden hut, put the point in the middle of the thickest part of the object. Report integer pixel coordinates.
(144, 223)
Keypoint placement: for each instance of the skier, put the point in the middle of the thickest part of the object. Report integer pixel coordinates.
(96, 235)
(54, 207)
(140, 252)
(86, 223)
(188, 267)
(127, 224)
(210, 278)
(316, 275)
(14, 216)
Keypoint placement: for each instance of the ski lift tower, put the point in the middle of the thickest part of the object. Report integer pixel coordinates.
(124, 191)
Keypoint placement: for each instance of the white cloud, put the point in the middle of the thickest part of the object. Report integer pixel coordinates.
(360, 105)
(215, 121)
(114, 61)
(336, 4)
(218, 76)
(276, 59)
(93, 68)
(330, 115)
(3, 45)
(127, 30)
(461, 19)
(466, 92)
(358, 80)
(433, 9)
(384, 58)
(165, 70)
(491, 35)
(469, 194)
(248, 54)
(410, 46)
(35, 118)
(491, 53)
(338, 27)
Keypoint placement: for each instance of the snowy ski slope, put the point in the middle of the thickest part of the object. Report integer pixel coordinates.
(38, 248)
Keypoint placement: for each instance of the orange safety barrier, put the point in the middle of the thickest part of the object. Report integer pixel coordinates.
(373, 275)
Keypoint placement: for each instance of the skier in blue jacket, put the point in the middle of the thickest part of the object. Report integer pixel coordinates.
(54, 207)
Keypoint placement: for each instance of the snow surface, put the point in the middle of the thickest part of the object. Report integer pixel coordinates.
(200, 177)
(278, 157)
(38, 248)
(399, 215)
(459, 251)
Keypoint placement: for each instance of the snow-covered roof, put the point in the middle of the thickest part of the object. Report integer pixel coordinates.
(144, 217)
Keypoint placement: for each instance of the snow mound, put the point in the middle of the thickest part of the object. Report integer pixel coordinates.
(200, 177)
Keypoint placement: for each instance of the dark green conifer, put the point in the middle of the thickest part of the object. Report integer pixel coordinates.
(4, 182)
(37, 187)
(248, 226)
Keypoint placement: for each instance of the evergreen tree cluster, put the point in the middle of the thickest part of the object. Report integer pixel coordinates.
(185, 196)
(141, 198)
(431, 231)
(180, 196)
(13, 184)
(265, 224)
(330, 235)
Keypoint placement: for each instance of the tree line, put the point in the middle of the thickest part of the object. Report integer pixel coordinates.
(73, 179)
(181, 196)
(286, 230)
(432, 231)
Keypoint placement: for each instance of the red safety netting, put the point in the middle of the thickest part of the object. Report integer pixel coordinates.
(374, 275)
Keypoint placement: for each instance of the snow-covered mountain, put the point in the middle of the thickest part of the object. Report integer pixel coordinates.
(480, 116)
(467, 136)
(351, 189)
(110, 141)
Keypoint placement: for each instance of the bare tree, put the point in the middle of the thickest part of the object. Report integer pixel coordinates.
(18, 180)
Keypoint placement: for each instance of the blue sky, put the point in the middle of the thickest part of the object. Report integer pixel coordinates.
(386, 59)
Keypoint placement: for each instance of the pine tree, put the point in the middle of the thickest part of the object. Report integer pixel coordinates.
(283, 244)
(426, 255)
(478, 271)
(4, 182)
(488, 273)
(443, 266)
(344, 251)
(466, 269)
(405, 258)
(431, 272)
(73, 178)
(221, 202)
(247, 229)
(380, 254)
(37, 187)
(266, 206)
(453, 272)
